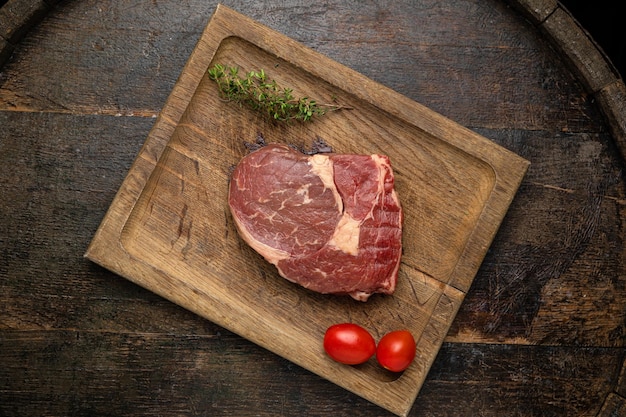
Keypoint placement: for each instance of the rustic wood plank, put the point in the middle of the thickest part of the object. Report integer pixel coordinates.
(620, 386)
(536, 10)
(612, 100)
(135, 74)
(568, 214)
(52, 199)
(542, 381)
(576, 46)
(6, 49)
(17, 17)
(614, 405)
(588, 60)
(81, 372)
(458, 78)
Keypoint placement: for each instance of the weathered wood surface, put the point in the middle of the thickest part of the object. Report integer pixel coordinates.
(541, 331)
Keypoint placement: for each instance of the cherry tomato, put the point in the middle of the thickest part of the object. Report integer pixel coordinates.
(349, 343)
(396, 350)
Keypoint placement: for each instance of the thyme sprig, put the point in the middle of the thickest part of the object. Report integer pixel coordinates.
(254, 89)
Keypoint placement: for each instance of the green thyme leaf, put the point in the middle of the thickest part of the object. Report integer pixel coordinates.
(265, 96)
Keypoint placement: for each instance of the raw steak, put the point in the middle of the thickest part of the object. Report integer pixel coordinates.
(331, 223)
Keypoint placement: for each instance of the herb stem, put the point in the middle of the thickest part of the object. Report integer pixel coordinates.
(258, 92)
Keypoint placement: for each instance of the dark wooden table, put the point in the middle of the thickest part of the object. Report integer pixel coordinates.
(542, 330)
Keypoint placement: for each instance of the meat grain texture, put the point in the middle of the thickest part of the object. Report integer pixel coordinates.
(329, 222)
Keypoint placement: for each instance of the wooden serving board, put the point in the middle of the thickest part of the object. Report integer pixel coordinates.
(169, 228)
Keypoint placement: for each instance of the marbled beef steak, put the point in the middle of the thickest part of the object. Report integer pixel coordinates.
(329, 222)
